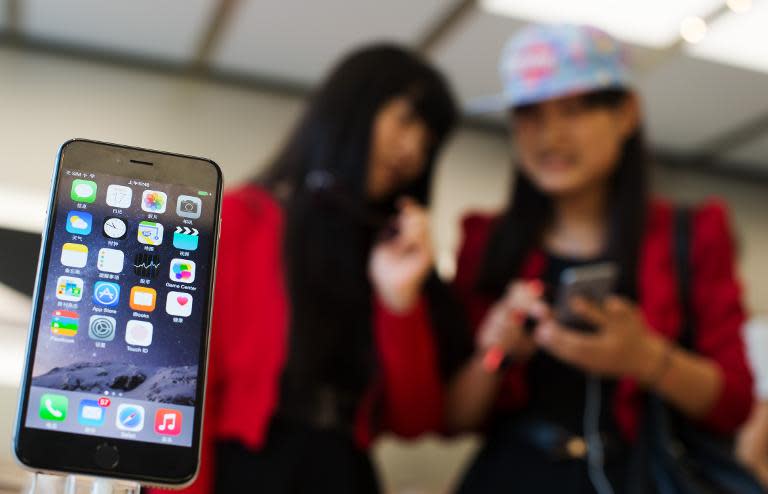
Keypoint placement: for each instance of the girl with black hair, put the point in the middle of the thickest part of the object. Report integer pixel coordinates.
(323, 331)
(559, 406)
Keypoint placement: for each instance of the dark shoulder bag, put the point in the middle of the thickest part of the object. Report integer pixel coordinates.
(673, 455)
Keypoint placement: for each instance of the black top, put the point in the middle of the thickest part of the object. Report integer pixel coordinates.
(328, 407)
(556, 389)
(514, 457)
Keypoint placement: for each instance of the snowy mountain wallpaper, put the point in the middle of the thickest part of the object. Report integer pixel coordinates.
(159, 364)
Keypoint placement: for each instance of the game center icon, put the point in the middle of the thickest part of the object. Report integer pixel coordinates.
(182, 270)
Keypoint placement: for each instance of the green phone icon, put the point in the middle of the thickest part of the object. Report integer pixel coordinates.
(83, 191)
(53, 407)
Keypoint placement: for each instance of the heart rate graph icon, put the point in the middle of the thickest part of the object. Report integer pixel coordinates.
(146, 265)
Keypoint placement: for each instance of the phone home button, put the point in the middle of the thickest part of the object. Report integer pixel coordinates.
(106, 456)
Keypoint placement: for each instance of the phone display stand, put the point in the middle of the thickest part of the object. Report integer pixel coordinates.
(75, 484)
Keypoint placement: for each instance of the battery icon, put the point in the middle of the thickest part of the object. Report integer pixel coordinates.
(202, 193)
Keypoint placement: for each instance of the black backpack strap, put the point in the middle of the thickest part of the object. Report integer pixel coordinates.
(682, 252)
(673, 455)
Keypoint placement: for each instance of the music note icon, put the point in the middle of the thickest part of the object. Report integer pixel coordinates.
(168, 422)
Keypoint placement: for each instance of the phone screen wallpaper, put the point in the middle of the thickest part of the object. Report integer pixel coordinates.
(123, 309)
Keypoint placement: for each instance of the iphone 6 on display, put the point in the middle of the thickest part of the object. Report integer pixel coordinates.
(117, 352)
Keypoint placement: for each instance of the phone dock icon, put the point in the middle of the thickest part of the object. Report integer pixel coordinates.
(53, 407)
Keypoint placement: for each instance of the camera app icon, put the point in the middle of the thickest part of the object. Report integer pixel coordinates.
(189, 207)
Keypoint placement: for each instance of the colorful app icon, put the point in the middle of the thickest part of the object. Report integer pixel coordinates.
(130, 418)
(153, 201)
(115, 228)
(146, 265)
(53, 407)
(168, 422)
(143, 298)
(138, 333)
(102, 328)
(182, 270)
(79, 222)
(119, 196)
(150, 233)
(110, 260)
(83, 191)
(65, 323)
(106, 293)
(74, 255)
(189, 207)
(178, 304)
(91, 413)
(185, 238)
(69, 288)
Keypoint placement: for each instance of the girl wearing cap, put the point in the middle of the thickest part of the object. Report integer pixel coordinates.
(542, 392)
(326, 329)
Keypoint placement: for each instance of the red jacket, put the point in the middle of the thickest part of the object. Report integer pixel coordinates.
(249, 342)
(716, 300)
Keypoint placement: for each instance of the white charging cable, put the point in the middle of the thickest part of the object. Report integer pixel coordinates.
(595, 452)
(756, 339)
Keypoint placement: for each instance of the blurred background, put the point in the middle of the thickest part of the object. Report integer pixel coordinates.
(225, 79)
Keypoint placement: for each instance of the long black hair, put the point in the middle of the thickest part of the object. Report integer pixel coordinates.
(522, 225)
(331, 356)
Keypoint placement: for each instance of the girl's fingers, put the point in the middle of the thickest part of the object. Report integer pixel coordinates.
(412, 228)
(567, 344)
(589, 311)
(525, 296)
(541, 310)
(413, 221)
(619, 307)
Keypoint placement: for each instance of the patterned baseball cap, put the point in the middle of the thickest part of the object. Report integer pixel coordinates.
(547, 61)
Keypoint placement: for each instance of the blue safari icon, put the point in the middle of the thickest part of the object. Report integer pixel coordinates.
(106, 293)
(130, 418)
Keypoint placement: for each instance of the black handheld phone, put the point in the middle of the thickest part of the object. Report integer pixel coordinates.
(593, 282)
(117, 351)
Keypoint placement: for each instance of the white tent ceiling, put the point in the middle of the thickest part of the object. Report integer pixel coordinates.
(693, 96)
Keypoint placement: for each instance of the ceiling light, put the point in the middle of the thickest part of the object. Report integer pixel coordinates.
(738, 40)
(651, 23)
(693, 29)
(739, 6)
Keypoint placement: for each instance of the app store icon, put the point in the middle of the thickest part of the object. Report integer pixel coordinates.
(106, 293)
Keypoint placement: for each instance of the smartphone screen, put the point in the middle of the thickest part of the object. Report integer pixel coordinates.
(119, 335)
(593, 282)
